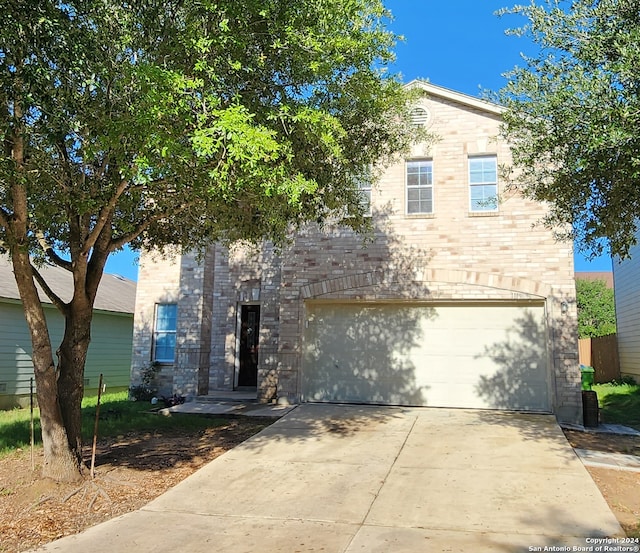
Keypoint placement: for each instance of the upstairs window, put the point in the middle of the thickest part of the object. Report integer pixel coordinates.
(164, 332)
(363, 182)
(483, 183)
(419, 186)
(365, 196)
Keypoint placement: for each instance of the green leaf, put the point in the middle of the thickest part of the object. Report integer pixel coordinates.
(572, 114)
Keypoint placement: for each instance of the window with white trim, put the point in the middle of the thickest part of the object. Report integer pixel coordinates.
(363, 181)
(483, 183)
(364, 187)
(164, 332)
(419, 186)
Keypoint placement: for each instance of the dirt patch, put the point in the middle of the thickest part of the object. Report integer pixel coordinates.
(598, 441)
(621, 489)
(131, 470)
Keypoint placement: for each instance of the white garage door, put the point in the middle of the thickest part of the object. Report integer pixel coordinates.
(457, 355)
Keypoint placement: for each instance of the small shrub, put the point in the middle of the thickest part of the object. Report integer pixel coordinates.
(624, 381)
(147, 388)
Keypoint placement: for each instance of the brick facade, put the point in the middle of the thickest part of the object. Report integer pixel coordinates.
(452, 254)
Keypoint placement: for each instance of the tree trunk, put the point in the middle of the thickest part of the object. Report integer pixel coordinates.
(60, 463)
(72, 355)
(62, 453)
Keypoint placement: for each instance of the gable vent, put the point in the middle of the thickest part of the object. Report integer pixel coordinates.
(419, 117)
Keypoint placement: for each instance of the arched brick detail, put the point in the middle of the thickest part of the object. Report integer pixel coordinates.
(340, 284)
(472, 278)
(489, 280)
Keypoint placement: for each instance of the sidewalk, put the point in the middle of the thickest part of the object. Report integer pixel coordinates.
(605, 459)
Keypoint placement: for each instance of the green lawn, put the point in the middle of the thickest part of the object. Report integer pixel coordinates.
(118, 415)
(619, 403)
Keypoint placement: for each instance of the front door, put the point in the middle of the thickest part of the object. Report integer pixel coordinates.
(249, 333)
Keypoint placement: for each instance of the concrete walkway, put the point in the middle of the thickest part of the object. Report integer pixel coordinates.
(607, 460)
(230, 407)
(336, 478)
(604, 459)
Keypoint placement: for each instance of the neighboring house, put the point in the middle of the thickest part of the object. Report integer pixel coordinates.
(460, 299)
(626, 276)
(111, 333)
(604, 276)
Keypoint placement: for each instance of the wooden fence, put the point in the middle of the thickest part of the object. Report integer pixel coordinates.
(601, 354)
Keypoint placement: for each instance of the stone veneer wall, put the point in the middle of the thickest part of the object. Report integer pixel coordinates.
(194, 325)
(159, 282)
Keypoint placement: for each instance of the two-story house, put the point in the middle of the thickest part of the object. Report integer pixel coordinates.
(460, 298)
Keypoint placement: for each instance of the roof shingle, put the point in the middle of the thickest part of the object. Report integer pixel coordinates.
(115, 293)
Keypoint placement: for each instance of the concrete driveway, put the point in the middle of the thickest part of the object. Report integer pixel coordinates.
(345, 478)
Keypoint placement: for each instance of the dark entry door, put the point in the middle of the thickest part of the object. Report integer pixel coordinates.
(249, 331)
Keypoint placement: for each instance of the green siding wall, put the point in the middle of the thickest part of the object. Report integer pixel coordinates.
(15, 351)
(109, 352)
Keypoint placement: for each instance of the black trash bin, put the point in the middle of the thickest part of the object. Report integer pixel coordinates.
(590, 413)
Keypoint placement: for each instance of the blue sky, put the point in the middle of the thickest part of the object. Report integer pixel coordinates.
(459, 44)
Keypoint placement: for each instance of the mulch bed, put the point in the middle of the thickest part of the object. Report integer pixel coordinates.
(131, 470)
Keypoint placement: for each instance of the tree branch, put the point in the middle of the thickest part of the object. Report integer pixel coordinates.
(99, 255)
(66, 163)
(102, 170)
(4, 218)
(105, 215)
(50, 252)
(126, 238)
(55, 299)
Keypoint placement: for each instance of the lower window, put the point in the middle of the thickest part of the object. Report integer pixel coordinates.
(164, 333)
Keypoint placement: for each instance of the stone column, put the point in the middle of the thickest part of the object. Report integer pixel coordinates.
(271, 274)
(193, 336)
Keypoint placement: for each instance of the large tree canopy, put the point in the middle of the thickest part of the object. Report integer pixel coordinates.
(176, 122)
(573, 114)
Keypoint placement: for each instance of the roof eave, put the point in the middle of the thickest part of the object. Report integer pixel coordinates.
(459, 97)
